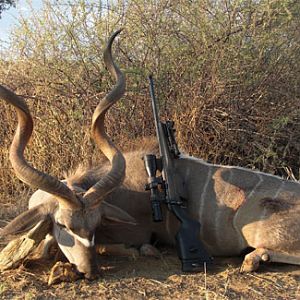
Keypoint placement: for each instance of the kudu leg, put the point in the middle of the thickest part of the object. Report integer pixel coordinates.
(117, 250)
(63, 272)
(122, 250)
(252, 260)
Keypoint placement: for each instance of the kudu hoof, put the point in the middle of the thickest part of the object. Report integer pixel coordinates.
(63, 272)
(253, 259)
(149, 250)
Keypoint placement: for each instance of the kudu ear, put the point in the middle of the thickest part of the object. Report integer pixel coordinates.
(28, 219)
(113, 214)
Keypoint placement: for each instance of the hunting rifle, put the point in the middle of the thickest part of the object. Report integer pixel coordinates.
(165, 190)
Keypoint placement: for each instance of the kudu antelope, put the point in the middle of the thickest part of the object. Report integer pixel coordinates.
(237, 208)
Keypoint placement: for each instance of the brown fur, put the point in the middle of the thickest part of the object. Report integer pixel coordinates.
(86, 176)
(228, 194)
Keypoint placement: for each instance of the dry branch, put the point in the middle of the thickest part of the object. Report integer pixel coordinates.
(18, 249)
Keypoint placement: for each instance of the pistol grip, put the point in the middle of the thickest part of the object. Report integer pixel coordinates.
(190, 249)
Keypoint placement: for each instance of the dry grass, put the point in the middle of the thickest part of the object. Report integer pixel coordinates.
(150, 278)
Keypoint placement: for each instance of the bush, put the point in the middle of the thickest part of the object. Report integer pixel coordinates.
(227, 72)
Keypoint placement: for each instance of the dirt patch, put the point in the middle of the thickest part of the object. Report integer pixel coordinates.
(150, 278)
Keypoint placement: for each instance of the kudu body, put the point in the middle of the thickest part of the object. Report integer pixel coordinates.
(237, 208)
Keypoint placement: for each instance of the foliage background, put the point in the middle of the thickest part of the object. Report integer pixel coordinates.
(227, 72)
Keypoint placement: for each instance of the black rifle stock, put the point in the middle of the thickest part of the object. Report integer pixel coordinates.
(164, 189)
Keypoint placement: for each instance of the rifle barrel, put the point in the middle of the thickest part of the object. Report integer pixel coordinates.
(154, 105)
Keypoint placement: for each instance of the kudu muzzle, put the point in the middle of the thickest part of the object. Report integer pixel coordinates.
(78, 250)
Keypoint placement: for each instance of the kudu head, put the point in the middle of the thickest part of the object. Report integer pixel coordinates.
(75, 213)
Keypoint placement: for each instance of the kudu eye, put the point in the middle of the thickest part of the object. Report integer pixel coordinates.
(61, 225)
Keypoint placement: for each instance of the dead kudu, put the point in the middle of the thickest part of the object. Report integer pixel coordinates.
(237, 208)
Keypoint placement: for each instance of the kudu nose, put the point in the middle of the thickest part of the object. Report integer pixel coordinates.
(92, 275)
(90, 272)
